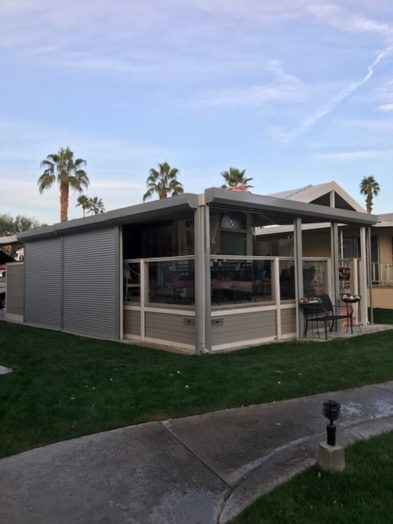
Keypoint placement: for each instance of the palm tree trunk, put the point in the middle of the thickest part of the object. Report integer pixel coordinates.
(369, 203)
(64, 188)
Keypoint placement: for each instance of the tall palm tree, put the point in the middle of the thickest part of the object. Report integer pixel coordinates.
(95, 206)
(370, 188)
(163, 182)
(83, 202)
(62, 168)
(236, 179)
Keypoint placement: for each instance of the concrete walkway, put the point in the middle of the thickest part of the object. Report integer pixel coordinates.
(196, 470)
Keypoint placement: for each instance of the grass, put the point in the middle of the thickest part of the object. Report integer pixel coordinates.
(362, 494)
(63, 386)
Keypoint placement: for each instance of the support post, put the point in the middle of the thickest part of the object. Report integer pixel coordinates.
(363, 276)
(200, 277)
(335, 262)
(369, 275)
(298, 256)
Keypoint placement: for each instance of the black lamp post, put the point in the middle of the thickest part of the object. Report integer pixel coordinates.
(331, 411)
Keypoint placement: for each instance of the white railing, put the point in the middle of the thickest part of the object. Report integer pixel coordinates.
(382, 274)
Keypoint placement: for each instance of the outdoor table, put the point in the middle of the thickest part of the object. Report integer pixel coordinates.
(350, 301)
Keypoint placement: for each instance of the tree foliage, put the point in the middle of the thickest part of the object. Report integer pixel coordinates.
(10, 226)
(93, 205)
(62, 168)
(236, 179)
(370, 188)
(163, 182)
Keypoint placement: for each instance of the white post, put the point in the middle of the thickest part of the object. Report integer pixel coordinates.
(298, 258)
(276, 294)
(335, 262)
(143, 291)
(363, 276)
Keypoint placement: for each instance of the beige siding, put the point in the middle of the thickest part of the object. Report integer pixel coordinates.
(243, 327)
(385, 245)
(15, 289)
(170, 328)
(132, 322)
(383, 297)
(288, 321)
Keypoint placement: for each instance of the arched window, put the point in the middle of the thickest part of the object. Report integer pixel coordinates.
(233, 222)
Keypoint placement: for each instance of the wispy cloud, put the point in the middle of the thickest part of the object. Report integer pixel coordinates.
(386, 107)
(282, 87)
(310, 120)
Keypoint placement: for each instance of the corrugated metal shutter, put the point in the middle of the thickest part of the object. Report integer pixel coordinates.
(91, 283)
(43, 282)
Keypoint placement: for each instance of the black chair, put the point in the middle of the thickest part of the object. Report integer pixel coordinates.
(313, 314)
(336, 312)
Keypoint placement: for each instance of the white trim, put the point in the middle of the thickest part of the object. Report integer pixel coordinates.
(179, 312)
(288, 306)
(243, 311)
(160, 259)
(246, 257)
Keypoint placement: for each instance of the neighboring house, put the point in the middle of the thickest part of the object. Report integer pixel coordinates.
(186, 271)
(316, 240)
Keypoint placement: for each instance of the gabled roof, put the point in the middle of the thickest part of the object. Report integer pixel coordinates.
(320, 194)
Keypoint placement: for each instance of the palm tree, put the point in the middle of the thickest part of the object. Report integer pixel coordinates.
(236, 179)
(62, 167)
(83, 202)
(95, 206)
(163, 182)
(370, 188)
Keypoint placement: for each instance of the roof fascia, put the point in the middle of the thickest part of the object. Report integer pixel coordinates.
(158, 208)
(249, 201)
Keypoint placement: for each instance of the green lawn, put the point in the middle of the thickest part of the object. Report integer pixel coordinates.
(383, 316)
(64, 386)
(362, 494)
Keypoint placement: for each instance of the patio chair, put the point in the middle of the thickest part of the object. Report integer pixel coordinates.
(336, 312)
(314, 314)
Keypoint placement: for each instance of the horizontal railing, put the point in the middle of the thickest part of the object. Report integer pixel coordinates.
(382, 274)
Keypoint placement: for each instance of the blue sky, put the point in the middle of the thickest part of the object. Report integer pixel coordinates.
(294, 91)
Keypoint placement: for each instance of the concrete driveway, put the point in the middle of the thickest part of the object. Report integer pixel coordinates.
(196, 470)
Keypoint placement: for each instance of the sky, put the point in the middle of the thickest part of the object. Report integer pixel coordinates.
(296, 92)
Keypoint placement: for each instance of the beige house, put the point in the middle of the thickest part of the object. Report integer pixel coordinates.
(278, 241)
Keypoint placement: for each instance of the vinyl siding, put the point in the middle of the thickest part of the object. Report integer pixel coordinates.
(242, 327)
(288, 321)
(171, 328)
(91, 283)
(132, 322)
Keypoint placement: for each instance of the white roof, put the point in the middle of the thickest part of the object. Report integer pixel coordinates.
(4, 241)
(311, 193)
